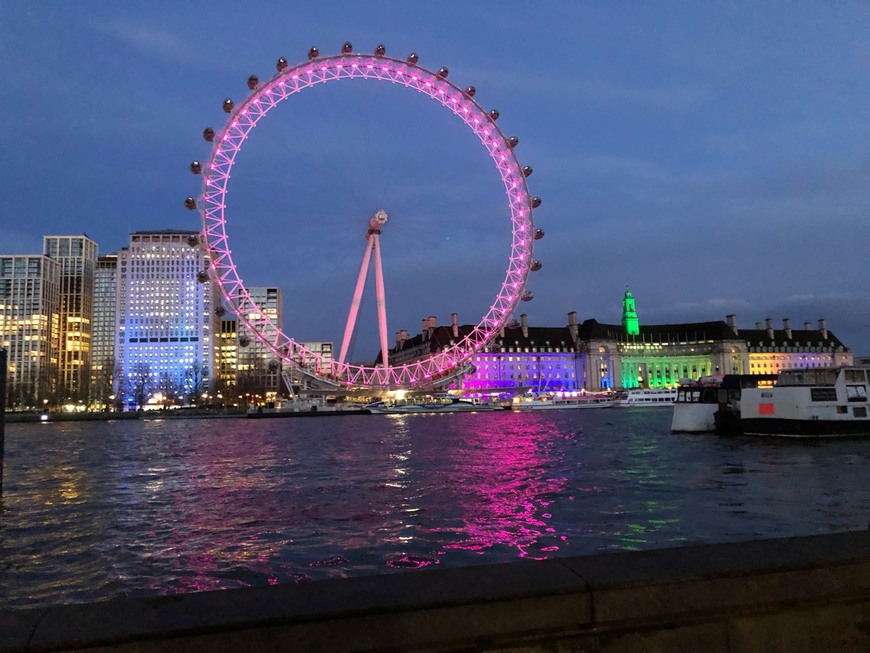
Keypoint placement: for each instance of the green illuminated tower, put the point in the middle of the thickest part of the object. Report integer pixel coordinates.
(629, 315)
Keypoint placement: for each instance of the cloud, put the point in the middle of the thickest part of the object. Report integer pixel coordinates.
(148, 40)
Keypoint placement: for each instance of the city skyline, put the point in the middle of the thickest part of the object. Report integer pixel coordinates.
(712, 158)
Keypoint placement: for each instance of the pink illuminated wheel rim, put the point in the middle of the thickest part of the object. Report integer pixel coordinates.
(439, 367)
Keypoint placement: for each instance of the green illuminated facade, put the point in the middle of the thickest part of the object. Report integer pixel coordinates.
(660, 356)
(629, 315)
(591, 356)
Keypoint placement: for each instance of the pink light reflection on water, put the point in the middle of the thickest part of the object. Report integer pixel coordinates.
(230, 521)
(494, 478)
(175, 506)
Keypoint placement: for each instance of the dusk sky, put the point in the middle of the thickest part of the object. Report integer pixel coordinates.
(714, 157)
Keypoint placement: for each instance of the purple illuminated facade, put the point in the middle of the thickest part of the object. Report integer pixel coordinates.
(595, 357)
(521, 357)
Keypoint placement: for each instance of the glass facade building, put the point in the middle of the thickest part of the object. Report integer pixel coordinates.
(258, 371)
(165, 320)
(224, 385)
(103, 360)
(77, 256)
(29, 328)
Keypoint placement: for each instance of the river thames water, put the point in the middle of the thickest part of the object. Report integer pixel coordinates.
(93, 510)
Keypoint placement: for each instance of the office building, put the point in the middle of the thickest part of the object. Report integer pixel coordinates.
(258, 370)
(223, 388)
(77, 256)
(103, 362)
(165, 320)
(29, 328)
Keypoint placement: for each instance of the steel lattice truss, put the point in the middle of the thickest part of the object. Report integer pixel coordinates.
(287, 82)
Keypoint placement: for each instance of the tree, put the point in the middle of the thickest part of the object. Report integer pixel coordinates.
(140, 384)
(195, 377)
(222, 390)
(168, 388)
(119, 387)
(11, 393)
(44, 386)
(102, 387)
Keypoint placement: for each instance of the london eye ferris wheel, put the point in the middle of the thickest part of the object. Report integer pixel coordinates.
(435, 368)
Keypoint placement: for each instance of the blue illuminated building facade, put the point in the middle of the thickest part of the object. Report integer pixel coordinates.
(165, 319)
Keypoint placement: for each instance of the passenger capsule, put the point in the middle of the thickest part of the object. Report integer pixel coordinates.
(202, 277)
(413, 58)
(470, 91)
(536, 202)
(527, 296)
(274, 365)
(189, 203)
(228, 105)
(220, 311)
(195, 167)
(539, 233)
(313, 52)
(527, 171)
(281, 64)
(494, 114)
(442, 72)
(208, 134)
(513, 141)
(380, 51)
(253, 82)
(244, 341)
(535, 266)
(192, 240)
(347, 48)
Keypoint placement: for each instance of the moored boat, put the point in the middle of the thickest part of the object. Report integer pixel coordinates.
(553, 401)
(662, 397)
(697, 403)
(439, 403)
(307, 407)
(820, 402)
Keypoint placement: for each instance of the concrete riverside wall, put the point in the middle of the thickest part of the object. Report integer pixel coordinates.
(792, 594)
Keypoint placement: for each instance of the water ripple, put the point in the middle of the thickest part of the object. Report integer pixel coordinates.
(96, 510)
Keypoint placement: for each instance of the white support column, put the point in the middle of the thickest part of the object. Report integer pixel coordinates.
(355, 302)
(382, 302)
(372, 243)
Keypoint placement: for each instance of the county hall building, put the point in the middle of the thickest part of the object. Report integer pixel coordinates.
(592, 356)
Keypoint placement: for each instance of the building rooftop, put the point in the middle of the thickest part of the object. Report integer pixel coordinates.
(165, 232)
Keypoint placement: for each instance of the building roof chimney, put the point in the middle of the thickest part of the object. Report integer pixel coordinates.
(768, 324)
(786, 324)
(524, 323)
(823, 328)
(731, 321)
(454, 323)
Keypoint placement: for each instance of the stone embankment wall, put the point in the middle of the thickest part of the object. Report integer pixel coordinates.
(795, 594)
